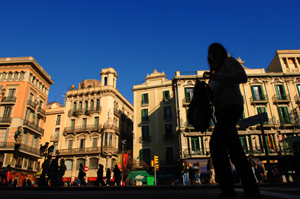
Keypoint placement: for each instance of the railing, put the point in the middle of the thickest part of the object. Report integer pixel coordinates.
(110, 150)
(285, 121)
(5, 120)
(187, 100)
(145, 139)
(258, 98)
(6, 145)
(169, 137)
(145, 102)
(167, 100)
(93, 110)
(40, 110)
(82, 128)
(196, 152)
(78, 112)
(80, 150)
(9, 99)
(281, 98)
(26, 148)
(31, 104)
(145, 119)
(33, 126)
(54, 138)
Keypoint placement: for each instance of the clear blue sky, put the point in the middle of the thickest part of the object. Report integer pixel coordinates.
(73, 40)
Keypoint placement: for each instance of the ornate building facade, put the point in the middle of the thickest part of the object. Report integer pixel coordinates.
(24, 86)
(275, 92)
(95, 121)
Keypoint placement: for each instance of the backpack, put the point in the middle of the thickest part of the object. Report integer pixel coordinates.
(200, 111)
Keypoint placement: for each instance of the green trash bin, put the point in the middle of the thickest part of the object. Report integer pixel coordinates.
(150, 180)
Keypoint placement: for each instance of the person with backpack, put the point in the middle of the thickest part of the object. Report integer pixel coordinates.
(225, 75)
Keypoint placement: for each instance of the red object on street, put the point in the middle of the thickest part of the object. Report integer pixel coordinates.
(86, 168)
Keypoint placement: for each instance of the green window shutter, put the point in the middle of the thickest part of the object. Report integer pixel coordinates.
(164, 94)
(187, 119)
(253, 93)
(262, 92)
(141, 155)
(298, 88)
(286, 115)
(186, 94)
(280, 115)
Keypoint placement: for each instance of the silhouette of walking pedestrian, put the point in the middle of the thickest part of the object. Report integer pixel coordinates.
(226, 73)
(100, 176)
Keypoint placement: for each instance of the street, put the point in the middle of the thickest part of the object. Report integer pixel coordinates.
(268, 191)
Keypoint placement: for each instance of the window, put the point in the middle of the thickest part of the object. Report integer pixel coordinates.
(3, 76)
(80, 105)
(258, 93)
(70, 144)
(244, 143)
(72, 124)
(69, 164)
(145, 115)
(92, 105)
(85, 105)
(169, 156)
(167, 112)
(188, 94)
(166, 95)
(284, 115)
(55, 147)
(15, 76)
(74, 106)
(7, 112)
(9, 77)
(168, 131)
(262, 110)
(84, 123)
(96, 122)
(56, 134)
(105, 81)
(98, 105)
(93, 164)
(58, 120)
(82, 144)
(195, 145)
(11, 92)
(145, 156)
(95, 141)
(80, 161)
(110, 139)
(145, 99)
(280, 91)
(22, 75)
(145, 133)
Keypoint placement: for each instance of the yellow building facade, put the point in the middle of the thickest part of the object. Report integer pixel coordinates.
(93, 124)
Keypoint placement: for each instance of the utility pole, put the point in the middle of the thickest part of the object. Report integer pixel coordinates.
(123, 143)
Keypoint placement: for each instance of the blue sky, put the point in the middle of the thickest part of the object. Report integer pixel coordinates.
(74, 39)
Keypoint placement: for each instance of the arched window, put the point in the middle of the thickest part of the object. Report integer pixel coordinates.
(69, 164)
(80, 161)
(105, 81)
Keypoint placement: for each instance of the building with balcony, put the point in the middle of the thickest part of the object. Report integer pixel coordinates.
(154, 122)
(90, 128)
(275, 92)
(24, 87)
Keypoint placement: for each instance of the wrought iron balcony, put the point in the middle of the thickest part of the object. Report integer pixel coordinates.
(78, 112)
(93, 110)
(109, 150)
(54, 138)
(23, 148)
(41, 111)
(33, 127)
(87, 128)
(80, 150)
(259, 99)
(145, 102)
(143, 139)
(31, 104)
(187, 101)
(9, 100)
(283, 98)
(5, 120)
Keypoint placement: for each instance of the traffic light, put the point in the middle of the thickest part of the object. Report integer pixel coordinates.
(156, 162)
(152, 163)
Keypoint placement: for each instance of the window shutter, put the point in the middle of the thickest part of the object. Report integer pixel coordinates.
(262, 92)
(253, 93)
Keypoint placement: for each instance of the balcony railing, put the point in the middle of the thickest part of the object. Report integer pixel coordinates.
(54, 138)
(187, 100)
(23, 147)
(145, 118)
(145, 102)
(33, 126)
(82, 128)
(259, 99)
(93, 110)
(78, 112)
(31, 104)
(145, 139)
(11, 99)
(281, 98)
(109, 150)
(42, 111)
(5, 120)
(80, 150)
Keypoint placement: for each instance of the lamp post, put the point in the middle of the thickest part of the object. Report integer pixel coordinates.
(123, 143)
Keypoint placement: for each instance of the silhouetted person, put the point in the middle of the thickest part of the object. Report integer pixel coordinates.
(4, 175)
(15, 182)
(28, 182)
(226, 73)
(24, 184)
(108, 175)
(54, 172)
(117, 175)
(100, 176)
(61, 172)
(81, 175)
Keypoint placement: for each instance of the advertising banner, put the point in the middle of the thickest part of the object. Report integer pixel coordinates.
(119, 161)
(125, 158)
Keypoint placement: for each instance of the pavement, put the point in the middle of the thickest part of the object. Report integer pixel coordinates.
(206, 191)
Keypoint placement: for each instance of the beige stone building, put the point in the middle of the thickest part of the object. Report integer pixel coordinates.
(90, 129)
(275, 92)
(154, 122)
